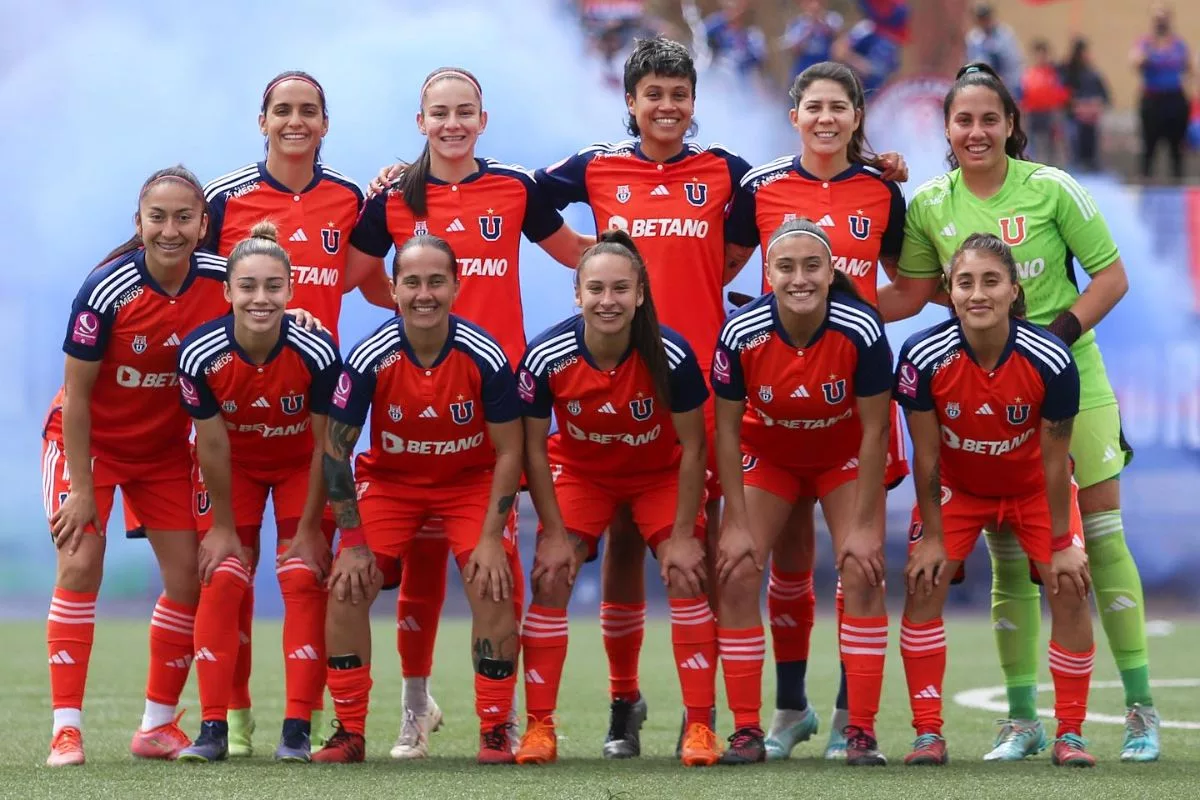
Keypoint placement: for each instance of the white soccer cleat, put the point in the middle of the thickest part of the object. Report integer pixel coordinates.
(413, 741)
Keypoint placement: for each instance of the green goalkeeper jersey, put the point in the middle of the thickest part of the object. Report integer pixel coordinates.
(1048, 219)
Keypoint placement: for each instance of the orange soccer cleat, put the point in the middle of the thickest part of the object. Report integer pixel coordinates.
(539, 745)
(700, 746)
(163, 742)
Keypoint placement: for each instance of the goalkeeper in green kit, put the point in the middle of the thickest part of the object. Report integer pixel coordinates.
(1048, 219)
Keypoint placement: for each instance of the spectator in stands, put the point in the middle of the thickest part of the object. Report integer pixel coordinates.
(1089, 99)
(1165, 65)
(734, 39)
(612, 25)
(1043, 100)
(810, 36)
(995, 44)
(872, 48)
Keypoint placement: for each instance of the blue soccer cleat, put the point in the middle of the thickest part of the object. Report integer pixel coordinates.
(211, 745)
(788, 729)
(1017, 740)
(1141, 734)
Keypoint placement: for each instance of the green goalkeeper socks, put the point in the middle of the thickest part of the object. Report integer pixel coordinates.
(1016, 621)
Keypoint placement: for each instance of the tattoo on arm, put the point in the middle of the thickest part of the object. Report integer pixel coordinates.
(1061, 428)
(339, 477)
(506, 503)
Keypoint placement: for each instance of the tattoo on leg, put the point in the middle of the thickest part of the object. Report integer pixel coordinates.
(505, 503)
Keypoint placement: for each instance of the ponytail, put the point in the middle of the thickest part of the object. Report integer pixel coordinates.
(134, 243)
(645, 332)
(980, 74)
(842, 283)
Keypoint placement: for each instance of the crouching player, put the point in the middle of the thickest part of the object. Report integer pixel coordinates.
(990, 401)
(446, 442)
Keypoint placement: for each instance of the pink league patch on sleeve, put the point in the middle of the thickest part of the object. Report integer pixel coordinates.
(909, 377)
(722, 371)
(526, 386)
(190, 395)
(341, 394)
(86, 329)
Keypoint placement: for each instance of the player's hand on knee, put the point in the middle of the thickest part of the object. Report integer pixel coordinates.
(488, 571)
(926, 563)
(1069, 570)
(354, 574)
(682, 563)
(736, 544)
(69, 522)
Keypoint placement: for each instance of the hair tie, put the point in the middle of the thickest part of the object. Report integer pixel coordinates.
(786, 234)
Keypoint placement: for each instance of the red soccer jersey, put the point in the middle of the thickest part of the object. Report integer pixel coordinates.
(311, 226)
(267, 407)
(990, 419)
(811, 422)
(675, 210)
(609, 423)
(482, 218)
(862, 214)
(122, 319)
(428, 424)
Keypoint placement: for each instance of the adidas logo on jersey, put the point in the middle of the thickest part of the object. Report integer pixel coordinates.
(985, 410)
(409, 624)
(533, 676)
(172, 341)
(456, 226)
(825, 221)
(62, 658)
(261, 402)
(1004, 624)
(1121, 603)
(950, 230)
(428, 413)
(607, 408)
(659, 191)
(698, 661)
(306, 653)
(928, 693)
(298, 236)
(204, 654)
(801, 391)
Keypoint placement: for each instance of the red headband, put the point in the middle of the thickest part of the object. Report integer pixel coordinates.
(182, 180)
(450, 73)
(307, 80)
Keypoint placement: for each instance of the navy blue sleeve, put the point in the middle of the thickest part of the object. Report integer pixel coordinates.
(499, 392)
(371, 234)
(352, 395)
(541, 217)
(534, 391)
(688, 391)
(726, 377)
(90, 327)
(893, 236)
(873, 372)
(741, 226)
(565, 182)
(194, 393)
(216, 221)
(324, 382)
(1062, 394)
(912, 387)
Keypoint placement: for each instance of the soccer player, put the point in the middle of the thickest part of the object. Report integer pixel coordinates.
(990, 401)
(446, 442)
(627, 395)
(257, 387)
(838, 182)
(482, 207)
(802, 377)
(117, 422)
(1047, 219)
(315, 208)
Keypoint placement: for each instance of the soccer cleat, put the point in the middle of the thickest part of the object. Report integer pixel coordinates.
(746, 746)
(700, 746)
(539, 745)
(343, 747)
(163, 742)
(295, 744)
(211, 745)
(66, 748)
(316, 736)
(928, 749)
(514, 724)
(241, 733)
(1141, 734)
(495, 746)
(861, 748)
(835, 748)
(1017, 739)
(625, 720)
(683, 727)
(413, 741)
(788, 729)
(1071, 751)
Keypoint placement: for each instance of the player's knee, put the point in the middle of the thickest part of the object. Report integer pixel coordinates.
(552, 591)
(81, 572)
(181, 580)
(741, 588)
(856, 588)
(298, 581)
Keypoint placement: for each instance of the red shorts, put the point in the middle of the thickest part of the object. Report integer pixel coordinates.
(964, 516)
(158, 491)
(393, 515)
(288, 490)
(588, 504)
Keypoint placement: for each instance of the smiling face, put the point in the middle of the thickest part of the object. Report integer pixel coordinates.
(981, 289)
(663, 109)
(294, 121)
(171, 222)
(977, 128)
(800, 272)
(452, 117)
(826, 118)
(609, 293)
(259, 289)
(425, 286)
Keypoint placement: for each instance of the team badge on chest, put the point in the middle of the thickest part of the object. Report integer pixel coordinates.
(575, 407)
(1018, 412)
(1012, 229)
(623, 193)
(395, 413)
(292, 403)
(642, 408)
(766, 394)
(139, 344)
(331, 239)
(952, 410)
(860, 226)
(834, 390)
(696, 193)
(490, 226)
(462, 412)
(421, 228)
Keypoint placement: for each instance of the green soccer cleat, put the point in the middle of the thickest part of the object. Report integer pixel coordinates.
(241, 733)
(1141, 734)
(788, 729)
(1017, 740)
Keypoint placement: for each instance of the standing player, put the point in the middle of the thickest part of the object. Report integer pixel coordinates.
(836, 181)
(117, 422)
(482, 207)
(802, 377)
(315, 209)
(627, 395)
(446, 442)
(257, 387)
(1048, 219)
(976, 466)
